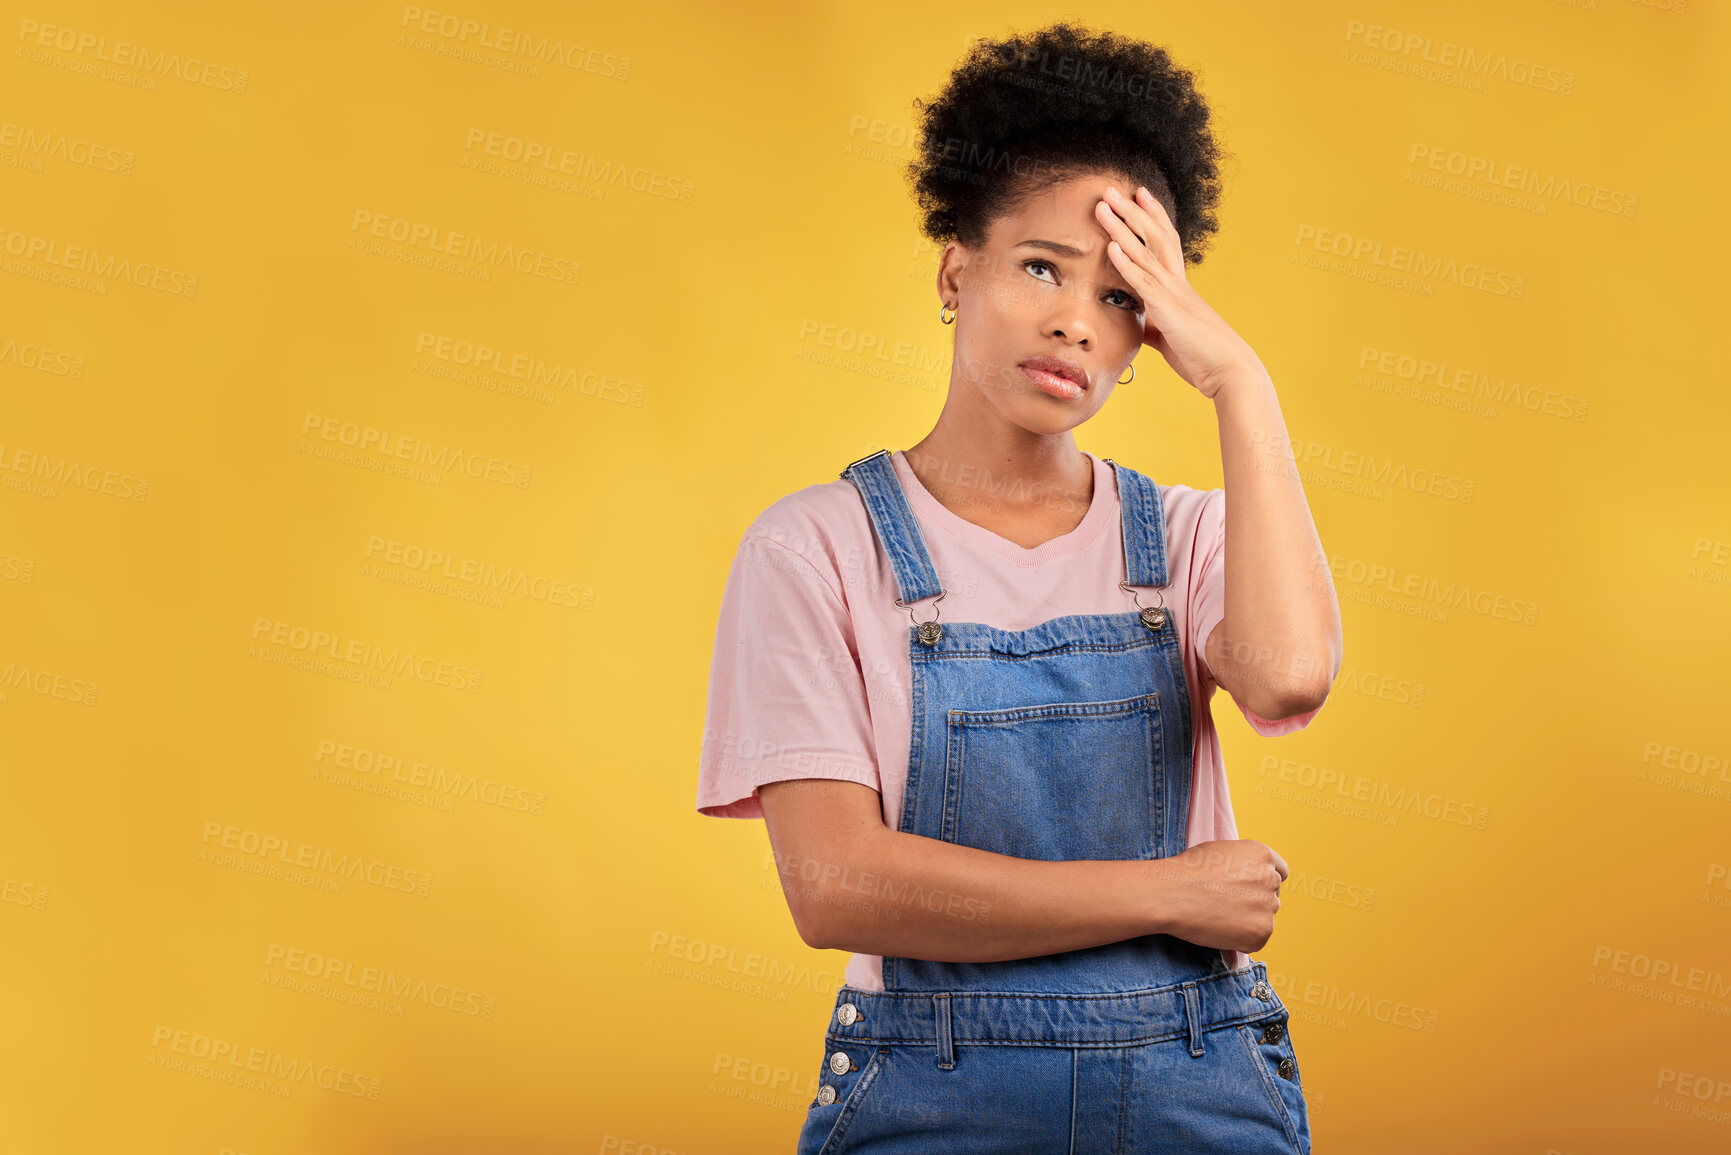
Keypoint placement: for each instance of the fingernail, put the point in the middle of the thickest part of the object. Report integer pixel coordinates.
(1143, 192)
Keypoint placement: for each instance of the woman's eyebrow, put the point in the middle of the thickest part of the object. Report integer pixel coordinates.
(1062, 250)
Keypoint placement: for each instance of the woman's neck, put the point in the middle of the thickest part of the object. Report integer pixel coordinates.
(1027, 490)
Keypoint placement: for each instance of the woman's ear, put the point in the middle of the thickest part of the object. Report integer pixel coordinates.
(951, 262)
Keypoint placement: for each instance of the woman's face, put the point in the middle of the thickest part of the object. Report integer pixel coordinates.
(1042, 286)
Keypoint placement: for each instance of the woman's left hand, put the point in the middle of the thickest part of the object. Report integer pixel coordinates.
(1200, 346)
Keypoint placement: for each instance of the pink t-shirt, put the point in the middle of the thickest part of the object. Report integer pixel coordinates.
(810, 672)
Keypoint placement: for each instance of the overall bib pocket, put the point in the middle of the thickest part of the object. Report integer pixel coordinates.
(1001, 794)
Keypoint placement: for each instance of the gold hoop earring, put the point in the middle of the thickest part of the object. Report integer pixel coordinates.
(947, 315)
(1132, 374)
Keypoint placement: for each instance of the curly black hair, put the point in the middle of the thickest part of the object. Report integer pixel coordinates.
(1026, 112)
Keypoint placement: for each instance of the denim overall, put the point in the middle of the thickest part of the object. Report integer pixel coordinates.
(1068, 740)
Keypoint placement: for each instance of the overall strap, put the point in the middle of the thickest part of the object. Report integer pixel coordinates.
(1144, 519)
(893, 520)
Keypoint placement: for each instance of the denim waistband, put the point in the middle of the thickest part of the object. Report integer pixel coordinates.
(1117, 1018)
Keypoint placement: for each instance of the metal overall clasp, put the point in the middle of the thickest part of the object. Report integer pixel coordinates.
(929, 632)
(1153, 616)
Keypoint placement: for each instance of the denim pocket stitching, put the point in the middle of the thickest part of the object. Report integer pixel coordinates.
(958, 724)
(850, 1105)
(1257, 1059)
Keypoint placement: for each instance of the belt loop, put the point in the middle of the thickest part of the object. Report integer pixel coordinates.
(946, 1041)
(1193, 1017)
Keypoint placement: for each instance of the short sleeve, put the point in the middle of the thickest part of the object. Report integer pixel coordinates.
(1208, 607)
(786, 696)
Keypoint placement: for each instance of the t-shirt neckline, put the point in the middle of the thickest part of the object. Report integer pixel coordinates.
(1102, 511)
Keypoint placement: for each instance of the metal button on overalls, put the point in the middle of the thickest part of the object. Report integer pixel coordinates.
(1070, 739)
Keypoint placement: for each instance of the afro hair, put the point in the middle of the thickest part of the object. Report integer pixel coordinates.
(1030, 111)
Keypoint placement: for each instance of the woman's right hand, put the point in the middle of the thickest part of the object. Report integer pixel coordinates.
(1223, 893)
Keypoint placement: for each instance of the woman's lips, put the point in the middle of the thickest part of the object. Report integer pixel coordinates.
(1047, 382)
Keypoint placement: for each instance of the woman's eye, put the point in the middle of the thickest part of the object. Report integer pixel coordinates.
(1126, 301)
(1029, 265)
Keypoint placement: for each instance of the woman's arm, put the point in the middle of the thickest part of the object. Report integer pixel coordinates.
(853, 884)
(1278, 648)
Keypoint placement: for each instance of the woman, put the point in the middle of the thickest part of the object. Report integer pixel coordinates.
(966, 685)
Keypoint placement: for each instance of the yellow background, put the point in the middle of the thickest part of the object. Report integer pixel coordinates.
(579, 978)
